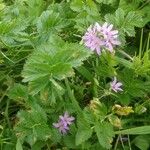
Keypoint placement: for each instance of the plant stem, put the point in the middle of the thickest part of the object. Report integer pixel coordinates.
(6, 57)
(121, 141)
(4, 94)
(125, 54)
(116, 144)
(95, 89)
(144, 4)
(6, 113)
(141, 39)
(129, 142)
(148, 40)
(48, 147)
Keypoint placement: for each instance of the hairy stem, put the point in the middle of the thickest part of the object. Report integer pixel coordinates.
(6, 114)
(125, 54)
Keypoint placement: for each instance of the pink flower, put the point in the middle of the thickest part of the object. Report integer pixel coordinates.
(66, 119)
(110, 36)
(116, 86)
(101, 37)
(64, 123)
(92, 40)
(61, 127)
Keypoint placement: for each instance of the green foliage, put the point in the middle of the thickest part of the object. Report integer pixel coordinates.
(142, 142)
(125, 22)
(105, 68)
(87, 13)
(130, 5)
(34, 125)
(46, 70)
(145, 13)
(137, 130)
(19, 145)
(84, 131)
(106, 1)
(70, 142)
(50, 21)
(142, 65)
(134, 86)
(104, 133)
(52, 62)
(18, 91)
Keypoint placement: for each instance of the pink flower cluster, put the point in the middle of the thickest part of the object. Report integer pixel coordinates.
(101, 37)
(64, 123)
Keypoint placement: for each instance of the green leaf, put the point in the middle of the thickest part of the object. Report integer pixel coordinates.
(124, 98)
(142, 142)
(33, 125)
(53, 62)
(49, 21)
(18, 91)
(85, 73)
(132, 85)
(106, 1)
(83, 134)
(84, 131)
(125, 23)
(104, 132)
(87, 13)
(96, 146)
(120, 16)
(76, 5)
(145, 13)
(41, 132)
(124, 62)
(19, 145)
(35, 8)
(142, 65)
(38, 145)
(135, 131)
(52, 92)
(106, 65)
(69, 141)
(55, 136)
(37, 85)
(125, 5)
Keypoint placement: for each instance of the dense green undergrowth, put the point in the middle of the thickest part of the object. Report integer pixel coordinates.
(47, 70)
